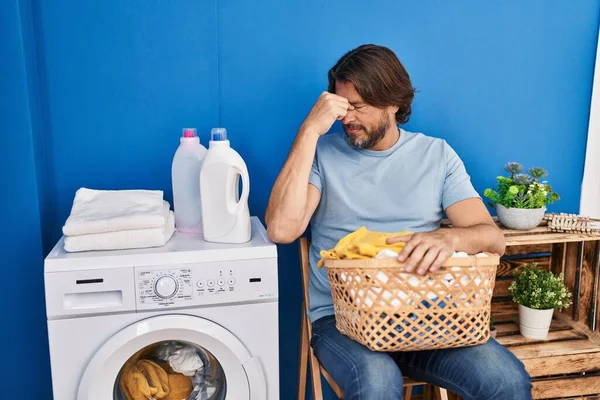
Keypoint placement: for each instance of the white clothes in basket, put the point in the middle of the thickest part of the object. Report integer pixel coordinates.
(397, 297)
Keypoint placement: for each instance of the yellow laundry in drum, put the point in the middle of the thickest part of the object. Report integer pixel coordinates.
(361, 244)
(144, 380)
(180, 387)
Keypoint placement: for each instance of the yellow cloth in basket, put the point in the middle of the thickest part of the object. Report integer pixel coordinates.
(361, 244)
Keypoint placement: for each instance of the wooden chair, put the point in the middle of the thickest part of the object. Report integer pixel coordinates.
(316, 369)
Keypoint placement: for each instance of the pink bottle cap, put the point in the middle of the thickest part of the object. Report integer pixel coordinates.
(189, 132)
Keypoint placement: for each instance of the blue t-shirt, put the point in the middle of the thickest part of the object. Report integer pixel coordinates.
(404, 188)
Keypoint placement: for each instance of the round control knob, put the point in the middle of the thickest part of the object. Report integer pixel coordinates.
(165, 287)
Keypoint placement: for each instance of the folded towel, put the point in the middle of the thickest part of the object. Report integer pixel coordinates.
(126, 239)
(100, 211)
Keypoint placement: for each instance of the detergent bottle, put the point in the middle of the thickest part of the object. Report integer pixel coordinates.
(225, 214)
(185, 178)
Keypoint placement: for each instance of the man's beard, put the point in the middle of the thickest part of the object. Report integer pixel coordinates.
(370, 138)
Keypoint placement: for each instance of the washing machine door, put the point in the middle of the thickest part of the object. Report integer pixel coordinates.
(238, 375)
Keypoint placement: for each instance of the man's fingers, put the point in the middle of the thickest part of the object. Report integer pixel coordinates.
(343, 105)
(442, 256)
(423, 252)
(406, 251)
(410, 241)
(428, 260)
(341, 113)
(416, 256)
(338, 97)
(334, 98)
(398, 239)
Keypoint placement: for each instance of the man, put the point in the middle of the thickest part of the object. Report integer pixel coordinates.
(386, 179)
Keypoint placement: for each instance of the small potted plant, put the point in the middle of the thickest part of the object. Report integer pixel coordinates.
(521, 199)
(538, 292)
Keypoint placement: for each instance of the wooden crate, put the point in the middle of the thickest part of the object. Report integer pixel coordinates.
(566, 365)
(557, 363)
(575, 255)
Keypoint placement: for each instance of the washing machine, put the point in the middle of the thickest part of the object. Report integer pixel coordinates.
(189, 320)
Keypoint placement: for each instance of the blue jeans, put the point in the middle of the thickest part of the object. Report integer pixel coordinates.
(484, 372)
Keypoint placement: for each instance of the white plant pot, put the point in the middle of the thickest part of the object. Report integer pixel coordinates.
(534, 324)
(520, 218)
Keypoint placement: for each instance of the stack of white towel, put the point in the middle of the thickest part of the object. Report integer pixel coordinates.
(118, 219)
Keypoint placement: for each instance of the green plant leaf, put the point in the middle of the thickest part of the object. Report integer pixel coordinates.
(539, 289)
(521, 190)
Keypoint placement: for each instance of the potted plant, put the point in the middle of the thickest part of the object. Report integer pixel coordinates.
(538, 292)
(521, 199)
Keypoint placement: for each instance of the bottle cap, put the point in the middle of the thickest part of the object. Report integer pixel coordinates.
(189, 132)
(218, 134)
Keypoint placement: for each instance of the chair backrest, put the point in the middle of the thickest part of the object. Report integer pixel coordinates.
(304, 246)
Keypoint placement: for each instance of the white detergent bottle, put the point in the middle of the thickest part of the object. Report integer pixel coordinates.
(226, 218)
(185, 178)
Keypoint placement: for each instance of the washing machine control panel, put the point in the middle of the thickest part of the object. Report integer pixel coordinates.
(204, 283)
(165, 286)
(221, 281)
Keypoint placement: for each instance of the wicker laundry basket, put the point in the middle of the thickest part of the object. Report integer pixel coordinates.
(379, 305)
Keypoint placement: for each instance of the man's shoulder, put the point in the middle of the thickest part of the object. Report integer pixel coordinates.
(424, 147)
(421, 139)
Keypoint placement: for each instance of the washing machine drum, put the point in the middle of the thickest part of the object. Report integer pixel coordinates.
(173, 357)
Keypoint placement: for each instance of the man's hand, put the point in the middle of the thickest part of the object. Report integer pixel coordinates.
(328, 108)
(426, 251)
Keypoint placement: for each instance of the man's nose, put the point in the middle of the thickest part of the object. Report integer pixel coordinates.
(349, 118)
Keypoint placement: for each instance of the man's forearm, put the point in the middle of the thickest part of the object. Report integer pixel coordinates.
(479, 238)
(288, 201)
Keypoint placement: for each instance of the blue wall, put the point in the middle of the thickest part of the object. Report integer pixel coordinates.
(24, 330)
(122, 79)
(96, 96)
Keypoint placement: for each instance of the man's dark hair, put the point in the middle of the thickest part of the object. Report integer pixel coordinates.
(378, 76)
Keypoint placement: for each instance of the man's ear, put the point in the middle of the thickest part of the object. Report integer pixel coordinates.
(393, 109)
